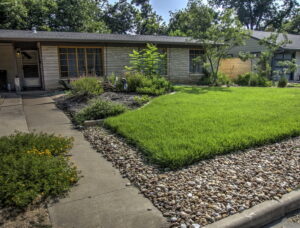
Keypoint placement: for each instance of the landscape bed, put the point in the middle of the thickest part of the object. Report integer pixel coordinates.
(195, 123)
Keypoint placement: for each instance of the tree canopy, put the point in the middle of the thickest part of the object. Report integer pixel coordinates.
(258, 14)
(196, 16)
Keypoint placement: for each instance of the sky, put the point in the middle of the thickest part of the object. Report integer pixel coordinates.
(162, 7)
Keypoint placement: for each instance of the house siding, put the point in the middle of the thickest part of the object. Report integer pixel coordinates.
(8, 62)
(179, 66)
(50, 67)
(116, 58)
(251, 45)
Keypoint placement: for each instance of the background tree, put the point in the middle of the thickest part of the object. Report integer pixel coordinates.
(79, 16)
(147, 21)
(224, 33)
(293, 25)
(59, 15)
(258, 14)
(195, 16)
(120, 17)
(25, 14)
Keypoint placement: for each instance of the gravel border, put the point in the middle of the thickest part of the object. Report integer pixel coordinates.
(262, 214)
(212, 189)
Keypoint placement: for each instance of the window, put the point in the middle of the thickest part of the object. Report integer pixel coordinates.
(77, 62)
(279, 57)
(195, 61)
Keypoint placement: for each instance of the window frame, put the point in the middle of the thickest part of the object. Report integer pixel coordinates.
(201, 67)
(102, 74)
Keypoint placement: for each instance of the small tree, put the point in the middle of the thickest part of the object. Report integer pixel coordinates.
(147, 61)
(224, 33)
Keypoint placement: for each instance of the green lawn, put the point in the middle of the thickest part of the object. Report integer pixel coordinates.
(195, 123)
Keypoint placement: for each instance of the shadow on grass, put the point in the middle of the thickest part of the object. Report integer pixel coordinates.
(202, 90)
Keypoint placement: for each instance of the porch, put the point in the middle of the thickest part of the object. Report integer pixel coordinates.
(20, 67)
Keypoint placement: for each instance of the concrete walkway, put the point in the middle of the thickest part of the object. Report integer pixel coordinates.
(12, 116)
(101, 199)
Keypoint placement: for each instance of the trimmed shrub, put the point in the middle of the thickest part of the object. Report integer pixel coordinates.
(31, 173)
(155, 85)
(252, 79)
(282, 82)
(87, 86)
(99, 109)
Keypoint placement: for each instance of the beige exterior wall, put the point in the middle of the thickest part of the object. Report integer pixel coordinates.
(8, 62)
(233, 67)
(50, 67)
(116, 58)
(178, 64)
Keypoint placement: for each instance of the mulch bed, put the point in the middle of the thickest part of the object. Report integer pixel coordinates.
(210, 189)
(73, 104)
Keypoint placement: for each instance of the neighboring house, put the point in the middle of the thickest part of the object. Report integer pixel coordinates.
(40, 59)
(288, 52)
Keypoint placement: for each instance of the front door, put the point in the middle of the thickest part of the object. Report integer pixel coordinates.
(31, 74)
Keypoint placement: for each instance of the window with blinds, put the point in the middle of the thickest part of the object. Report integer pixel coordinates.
(80, 62)
(195, 61)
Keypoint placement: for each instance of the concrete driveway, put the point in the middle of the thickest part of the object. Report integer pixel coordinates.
(101, 199)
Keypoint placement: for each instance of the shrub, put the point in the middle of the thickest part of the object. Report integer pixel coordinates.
(99, 109)
(87, 86)
(223, 79)
(136, 80)
(22, 142)
(141, 100)
(252, 79)
(155, 86)
(282, 82)
(205, 80)
(29, 174)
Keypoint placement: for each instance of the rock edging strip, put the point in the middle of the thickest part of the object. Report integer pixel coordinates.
(261, 214)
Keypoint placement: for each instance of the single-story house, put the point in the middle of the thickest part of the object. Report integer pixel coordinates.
(287, 52)
(41, 59)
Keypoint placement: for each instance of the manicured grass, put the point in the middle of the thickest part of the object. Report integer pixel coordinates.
(195, 123)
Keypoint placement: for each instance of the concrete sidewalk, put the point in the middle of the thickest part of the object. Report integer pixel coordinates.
(11, 114)
(101, 199)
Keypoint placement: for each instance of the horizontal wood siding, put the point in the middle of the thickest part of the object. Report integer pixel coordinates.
(116, 58)
(233, 67)
(50, 67)
(251, 45)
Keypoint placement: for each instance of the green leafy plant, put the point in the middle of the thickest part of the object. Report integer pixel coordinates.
(148, 61)
(252, 79)
(155, 86)
(282, 82)
(34, 167)
(99, 109)
(21, 142)
(140, 100)
(223, 79)
(87, 86)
